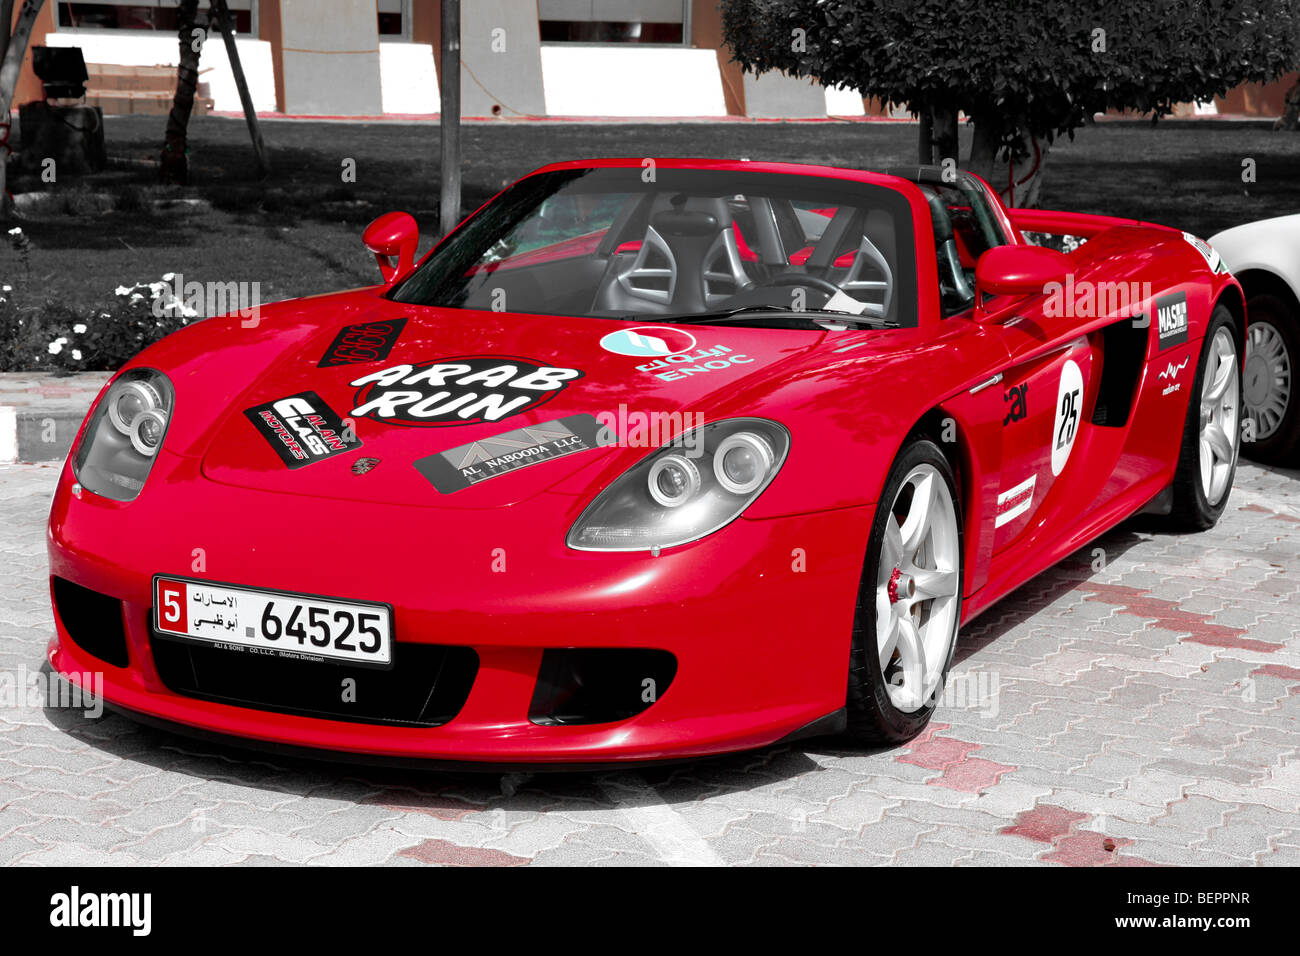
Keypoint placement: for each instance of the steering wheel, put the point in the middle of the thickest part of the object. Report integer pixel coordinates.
(800, 278)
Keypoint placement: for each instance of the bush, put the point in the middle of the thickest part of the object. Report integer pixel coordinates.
(50, 336)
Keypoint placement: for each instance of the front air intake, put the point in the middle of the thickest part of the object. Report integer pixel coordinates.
(599, 685)
(92, 620)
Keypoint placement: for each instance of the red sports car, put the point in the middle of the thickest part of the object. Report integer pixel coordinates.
(644, 460)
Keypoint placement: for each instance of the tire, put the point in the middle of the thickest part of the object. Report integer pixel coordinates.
(1269, 382)
(892, 702)
(1206, 466)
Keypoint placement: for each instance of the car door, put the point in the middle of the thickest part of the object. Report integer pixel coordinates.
(1045, 391)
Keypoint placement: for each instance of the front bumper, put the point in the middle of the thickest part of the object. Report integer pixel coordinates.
(758, 616)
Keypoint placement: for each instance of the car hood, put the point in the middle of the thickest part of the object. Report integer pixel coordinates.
(450, 408)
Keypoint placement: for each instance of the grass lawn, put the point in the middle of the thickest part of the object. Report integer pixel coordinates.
(299, 232)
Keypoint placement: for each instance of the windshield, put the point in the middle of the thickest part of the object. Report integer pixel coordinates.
(632, 242)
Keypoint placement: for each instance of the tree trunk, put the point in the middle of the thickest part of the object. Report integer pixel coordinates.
(1290, 118)
(1018, 183)
(13, 63)
(925, 138)
(174, 164)
(944, 119)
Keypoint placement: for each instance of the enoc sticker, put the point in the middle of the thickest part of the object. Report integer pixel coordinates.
(302, 429)
(648, 341)
(465, 465)
(1069, 406)
(1171, 320)
(359, 344)
(462, 390)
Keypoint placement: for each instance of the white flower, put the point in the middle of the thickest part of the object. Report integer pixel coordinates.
(79, 328)
(7, 288)
(169, 276)
(122, 290)
(16, 231)
(76, 354)
(56, 346)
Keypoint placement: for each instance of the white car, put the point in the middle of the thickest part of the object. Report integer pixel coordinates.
(1265, 258)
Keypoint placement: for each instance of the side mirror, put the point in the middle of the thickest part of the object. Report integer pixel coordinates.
(1017, 270)
(394, 234)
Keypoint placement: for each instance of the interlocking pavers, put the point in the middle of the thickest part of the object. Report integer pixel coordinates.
(1148, 712)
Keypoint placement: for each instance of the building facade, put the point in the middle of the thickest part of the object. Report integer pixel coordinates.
(520, 59)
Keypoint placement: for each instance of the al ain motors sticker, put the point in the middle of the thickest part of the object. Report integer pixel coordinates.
(462, 390)
(302, 429)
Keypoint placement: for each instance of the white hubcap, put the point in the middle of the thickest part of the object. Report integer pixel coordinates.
(1219, 417)
(917, 589)
(1267, 386)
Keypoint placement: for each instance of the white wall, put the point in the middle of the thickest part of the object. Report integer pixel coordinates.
(842, 101)
(630, 81)
(142, 48)
(407, 77)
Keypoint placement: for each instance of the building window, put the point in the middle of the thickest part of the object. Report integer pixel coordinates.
(613, 21)
(395, 19)
(141, 15)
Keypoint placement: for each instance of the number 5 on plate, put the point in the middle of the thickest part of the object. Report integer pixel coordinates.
(173, 614)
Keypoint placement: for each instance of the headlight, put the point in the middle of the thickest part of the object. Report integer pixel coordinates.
(686, 490)
(124, 434)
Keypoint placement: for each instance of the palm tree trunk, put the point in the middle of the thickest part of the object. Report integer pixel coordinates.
(174, 164)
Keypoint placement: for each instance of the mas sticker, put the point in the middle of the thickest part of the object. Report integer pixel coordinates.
(465, 465)
(358, 344)
(302, 429)
(458, 391)
(1171, 320)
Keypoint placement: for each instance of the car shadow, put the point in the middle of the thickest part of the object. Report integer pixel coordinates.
(1053, 584)
(440, 789)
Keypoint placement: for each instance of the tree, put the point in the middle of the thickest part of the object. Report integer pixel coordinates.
(174, 161)
(1022, 71)
(15, 48)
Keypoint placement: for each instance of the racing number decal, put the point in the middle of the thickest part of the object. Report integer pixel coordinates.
(1069, 405)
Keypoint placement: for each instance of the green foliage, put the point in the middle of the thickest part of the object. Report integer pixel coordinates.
(1016, 67)
(51, 337)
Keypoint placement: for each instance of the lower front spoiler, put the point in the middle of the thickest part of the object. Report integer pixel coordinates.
(832, 724)
(470, 741)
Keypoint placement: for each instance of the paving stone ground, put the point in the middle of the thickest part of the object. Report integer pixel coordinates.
(1137, 705)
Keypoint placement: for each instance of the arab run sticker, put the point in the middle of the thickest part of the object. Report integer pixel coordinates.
(458, 468)
(302, 429)
(462, 390)
(1014, 502)
(648, 341)
(359, 344)
(1069, 405)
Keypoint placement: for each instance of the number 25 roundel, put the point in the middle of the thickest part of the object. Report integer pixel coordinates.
(1069, 406)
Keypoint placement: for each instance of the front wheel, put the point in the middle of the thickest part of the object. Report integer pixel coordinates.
(909, 603)
(1212, 430)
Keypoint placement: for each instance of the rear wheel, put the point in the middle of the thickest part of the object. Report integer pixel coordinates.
(909, 603)
(1269, 382)
(1212, 430)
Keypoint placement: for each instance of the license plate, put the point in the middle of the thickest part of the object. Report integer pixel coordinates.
(274, 623)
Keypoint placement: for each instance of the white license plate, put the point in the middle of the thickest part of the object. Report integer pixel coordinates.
(275, 623)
